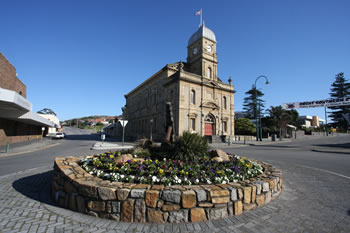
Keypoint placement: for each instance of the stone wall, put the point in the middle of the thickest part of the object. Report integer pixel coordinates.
(75, 189)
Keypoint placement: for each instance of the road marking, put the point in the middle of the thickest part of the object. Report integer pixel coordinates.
(319, 169)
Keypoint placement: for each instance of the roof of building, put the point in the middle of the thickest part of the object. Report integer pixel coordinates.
(203, 31)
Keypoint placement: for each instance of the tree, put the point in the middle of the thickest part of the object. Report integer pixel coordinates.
(244, 126)
(280, 117)
(250, 103)
(340, 88)
(293, 117)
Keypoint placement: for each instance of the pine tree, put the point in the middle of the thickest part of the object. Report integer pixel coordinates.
(340, 88)
(250, 103)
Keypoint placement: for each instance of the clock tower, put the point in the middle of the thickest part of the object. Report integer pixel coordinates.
(201, 52)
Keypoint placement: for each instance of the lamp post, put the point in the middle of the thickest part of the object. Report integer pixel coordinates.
(257, 112)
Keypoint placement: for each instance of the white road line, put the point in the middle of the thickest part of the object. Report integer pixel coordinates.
(318, 169)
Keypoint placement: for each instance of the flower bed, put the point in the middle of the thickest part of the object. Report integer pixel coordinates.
(76, 189)
(170, 172)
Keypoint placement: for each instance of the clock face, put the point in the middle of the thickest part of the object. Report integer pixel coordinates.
(209, 48)
(195, 50)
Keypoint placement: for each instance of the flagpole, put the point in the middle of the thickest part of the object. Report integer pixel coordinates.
(201, 17)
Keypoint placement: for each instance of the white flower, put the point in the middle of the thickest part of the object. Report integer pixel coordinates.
(122, 176)
(135, 156)
(197, 181)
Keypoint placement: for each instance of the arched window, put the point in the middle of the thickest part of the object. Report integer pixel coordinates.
(193, 97)
(209, 72)
(224, 102)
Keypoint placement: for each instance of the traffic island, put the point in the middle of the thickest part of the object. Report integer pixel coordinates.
(75, 189)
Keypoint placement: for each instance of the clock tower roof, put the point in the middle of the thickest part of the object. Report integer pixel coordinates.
(203, 31)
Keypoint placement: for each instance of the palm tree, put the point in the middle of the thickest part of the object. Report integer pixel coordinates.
(280, 117)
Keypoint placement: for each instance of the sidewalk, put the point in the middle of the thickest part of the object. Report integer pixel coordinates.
(28, 146)
(112, 146)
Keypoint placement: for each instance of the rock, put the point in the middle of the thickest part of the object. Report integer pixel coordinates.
(115, 217)
(201, 195)
(140, 210)
(157, 187)
(68, 187)
(88, 188)
(123, 158)
(265, 187)
(219, 193)
(180, 216)
(152, 198)
(170, 207)
(80, 201)
(233, 196)
(137, 193)
(155, 216)
(220, 200)
(72, 202)
(267, 197)
(220, 155)
(217, 213)
(238, 207)
(106, 193)
(260, 199)
(92, 213)
(97, 206)
(123, 194)
(247, 194)
(250, 206)
(205, 204)
(253, 193)
(127, 210)
(188, 199)
(258, 187)
(230, 209)
(160, 203)
(197, 215)
(115, 206)
(240, 194)
(172, 196)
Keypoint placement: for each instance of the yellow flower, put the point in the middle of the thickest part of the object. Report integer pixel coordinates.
(115, 168)
(161, 171)
(134, 160)
(156, 161)
(111, 156)
(182, 171)
(186, 173)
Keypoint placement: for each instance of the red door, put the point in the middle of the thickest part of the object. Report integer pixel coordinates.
(208, 131)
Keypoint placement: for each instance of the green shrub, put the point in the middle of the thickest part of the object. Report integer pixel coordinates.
(190, 147)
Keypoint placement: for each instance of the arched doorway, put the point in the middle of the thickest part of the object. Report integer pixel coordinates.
(209, 125)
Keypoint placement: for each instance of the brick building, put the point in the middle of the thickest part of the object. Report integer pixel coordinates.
(17, 121)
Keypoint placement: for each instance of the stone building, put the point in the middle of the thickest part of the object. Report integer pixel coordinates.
(201, 102)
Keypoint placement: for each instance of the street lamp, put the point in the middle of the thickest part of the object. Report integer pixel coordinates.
(257, 112)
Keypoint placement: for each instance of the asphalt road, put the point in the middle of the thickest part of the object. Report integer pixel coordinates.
(315, 196)
(77, 142)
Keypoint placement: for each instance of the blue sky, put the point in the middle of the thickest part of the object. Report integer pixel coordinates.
(79, 57)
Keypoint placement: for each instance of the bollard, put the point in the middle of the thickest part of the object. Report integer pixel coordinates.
(7, 148)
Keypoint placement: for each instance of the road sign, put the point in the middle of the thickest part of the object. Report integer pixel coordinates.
(123, 122)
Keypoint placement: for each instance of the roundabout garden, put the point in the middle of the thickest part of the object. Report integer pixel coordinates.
(181, 182)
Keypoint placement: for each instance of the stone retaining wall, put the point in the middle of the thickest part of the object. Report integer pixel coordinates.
(75, 189)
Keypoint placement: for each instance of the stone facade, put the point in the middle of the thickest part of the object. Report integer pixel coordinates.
(75, 189)
(200, 101)
(8, 77)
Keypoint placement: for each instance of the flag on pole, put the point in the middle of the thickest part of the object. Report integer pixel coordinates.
(197, 13)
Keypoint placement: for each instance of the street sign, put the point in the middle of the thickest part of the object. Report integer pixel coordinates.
(123, 122)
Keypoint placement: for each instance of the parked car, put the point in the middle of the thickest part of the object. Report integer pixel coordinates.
(59, 135)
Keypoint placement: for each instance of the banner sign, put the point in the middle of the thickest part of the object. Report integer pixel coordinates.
(318, 103)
